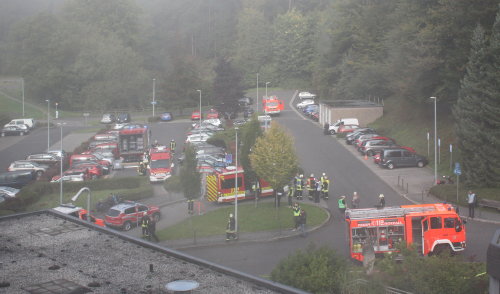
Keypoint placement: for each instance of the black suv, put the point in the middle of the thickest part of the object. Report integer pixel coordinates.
(123, 118)
(400, 157)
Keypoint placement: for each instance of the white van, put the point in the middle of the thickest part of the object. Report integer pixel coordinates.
(333, 128)
(22, 121)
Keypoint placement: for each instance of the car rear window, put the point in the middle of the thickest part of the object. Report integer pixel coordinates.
(113, 212)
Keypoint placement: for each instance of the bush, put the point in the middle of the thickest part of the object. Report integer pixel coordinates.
(153, 119)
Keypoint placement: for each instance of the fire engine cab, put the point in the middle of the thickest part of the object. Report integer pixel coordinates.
(431, 228)
(220, 185)
(160, 164)
(272, 105)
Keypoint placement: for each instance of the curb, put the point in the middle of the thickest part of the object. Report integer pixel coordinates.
(272, 239)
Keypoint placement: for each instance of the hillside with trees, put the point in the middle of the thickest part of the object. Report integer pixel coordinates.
(102, 55)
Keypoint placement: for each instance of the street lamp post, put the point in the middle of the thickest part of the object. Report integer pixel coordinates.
(435, 139)
(199, 127)
(257, 101)
(22, 90)
(266, 88)
(57, 112)
(48, 124)
(154, 96)
(236, 186)
(61, 167)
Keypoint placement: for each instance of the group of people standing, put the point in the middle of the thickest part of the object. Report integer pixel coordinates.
(316, 187)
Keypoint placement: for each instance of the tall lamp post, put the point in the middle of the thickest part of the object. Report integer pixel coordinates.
(48, 124)
(22, 91)
(61, 166)
(236, 186)
(199, 127)
(57, 112)
(266, 87)
(257, 100)
(435, 140)
(154, 96)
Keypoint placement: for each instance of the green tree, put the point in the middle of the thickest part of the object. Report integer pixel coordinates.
(314, 270)
(190, 177)
(227, 87)
(468, 117)
(249, 134)
(273, 157)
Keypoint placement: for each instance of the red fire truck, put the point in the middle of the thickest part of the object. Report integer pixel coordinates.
(272, 105)
(160, 164)
(220, 185)
(431, 228)
(133, 143)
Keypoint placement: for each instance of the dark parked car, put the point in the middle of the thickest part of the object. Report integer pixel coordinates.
(14, 130)
(401, 157)
(123, 118)
(371, 147)
(17, 179)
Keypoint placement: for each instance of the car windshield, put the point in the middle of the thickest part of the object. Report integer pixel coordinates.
(160, 163)
(113, 212)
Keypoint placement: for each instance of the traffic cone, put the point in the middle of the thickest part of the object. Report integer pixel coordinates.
(366, 156)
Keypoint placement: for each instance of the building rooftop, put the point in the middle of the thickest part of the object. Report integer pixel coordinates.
(48, 252)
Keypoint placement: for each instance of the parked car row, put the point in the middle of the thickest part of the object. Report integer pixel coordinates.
(308, 106)
(109, 118)
(384, 150)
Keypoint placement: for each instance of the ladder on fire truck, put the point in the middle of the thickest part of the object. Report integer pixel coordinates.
(393, 211)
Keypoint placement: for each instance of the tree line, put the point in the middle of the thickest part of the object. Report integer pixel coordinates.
(103, 55)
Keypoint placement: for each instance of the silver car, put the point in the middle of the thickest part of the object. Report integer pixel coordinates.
(21, 165)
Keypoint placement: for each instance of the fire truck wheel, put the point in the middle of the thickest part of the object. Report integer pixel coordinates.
(390, 165)
(420, 164)
(443, 250)
(127, 226)
(332, 132)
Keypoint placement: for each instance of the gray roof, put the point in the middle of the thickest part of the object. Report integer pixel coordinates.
(48, 250)
(351, 103)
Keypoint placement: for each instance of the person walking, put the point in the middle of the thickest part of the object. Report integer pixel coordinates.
(290, 193)
(144, 225)
(172, 146)
(302, 223)
(341, 204)
(152, 230)
(311, 186)
(296, 214)
(325, 187)
(318, 191)
(471, 201)
(355, 200)
(299, 186)
(190, 202)
(381, 201)
(231, 228)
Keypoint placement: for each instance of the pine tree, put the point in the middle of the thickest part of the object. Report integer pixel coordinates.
(490, 109)
(190, 177)
(228, 83)
(467, 113)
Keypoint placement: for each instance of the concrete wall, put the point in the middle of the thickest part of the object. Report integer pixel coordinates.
(365, 115)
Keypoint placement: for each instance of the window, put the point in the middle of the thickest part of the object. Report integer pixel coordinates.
(129, 210)
(407, 154)
(436, 223)
(394, 154)
(449, 223)
(426, 225)
(229, 183)
(143, 208)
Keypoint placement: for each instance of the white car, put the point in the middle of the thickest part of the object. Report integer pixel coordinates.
(9, 191)
(304, 103)
(197, 138)
(212, 121)
(306, 95)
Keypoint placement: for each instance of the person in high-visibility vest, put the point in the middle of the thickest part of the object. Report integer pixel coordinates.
(325, 186)
(172, 146)
(311, 186)
(291, 192)
(190, 206)
(296, 215)
(342, 206)
(299, 186)
(144, 225)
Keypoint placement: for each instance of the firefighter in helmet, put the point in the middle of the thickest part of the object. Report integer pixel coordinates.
(299, 186)
(231, 228)
(311, 186)
(325, 186)
(172, 146)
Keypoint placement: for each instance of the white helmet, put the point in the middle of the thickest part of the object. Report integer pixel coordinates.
(324, 175)
(312, 175)
(381, 196)
(230, 215)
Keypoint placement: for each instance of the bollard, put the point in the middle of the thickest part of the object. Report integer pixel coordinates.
(403, 183)
(406, 188)
(398, 180)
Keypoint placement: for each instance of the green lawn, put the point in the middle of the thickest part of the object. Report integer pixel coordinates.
(251, 219)
(15, 109)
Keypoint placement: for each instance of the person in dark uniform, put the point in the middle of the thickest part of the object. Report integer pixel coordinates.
(231, 228)
(190, 206)
(152, 230)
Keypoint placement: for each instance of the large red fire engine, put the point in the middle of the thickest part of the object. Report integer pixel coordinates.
(429, 227)
(272, 105)
(133, 143)
(221, 185)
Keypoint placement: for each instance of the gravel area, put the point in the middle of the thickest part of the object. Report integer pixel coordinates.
(45, 251)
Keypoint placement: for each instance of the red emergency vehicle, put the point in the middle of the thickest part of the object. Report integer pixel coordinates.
(220, 185)
(160, 164)
(133, 143)
(430, 228)
(272, 105)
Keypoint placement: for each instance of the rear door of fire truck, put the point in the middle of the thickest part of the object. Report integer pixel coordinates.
(426, 236)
